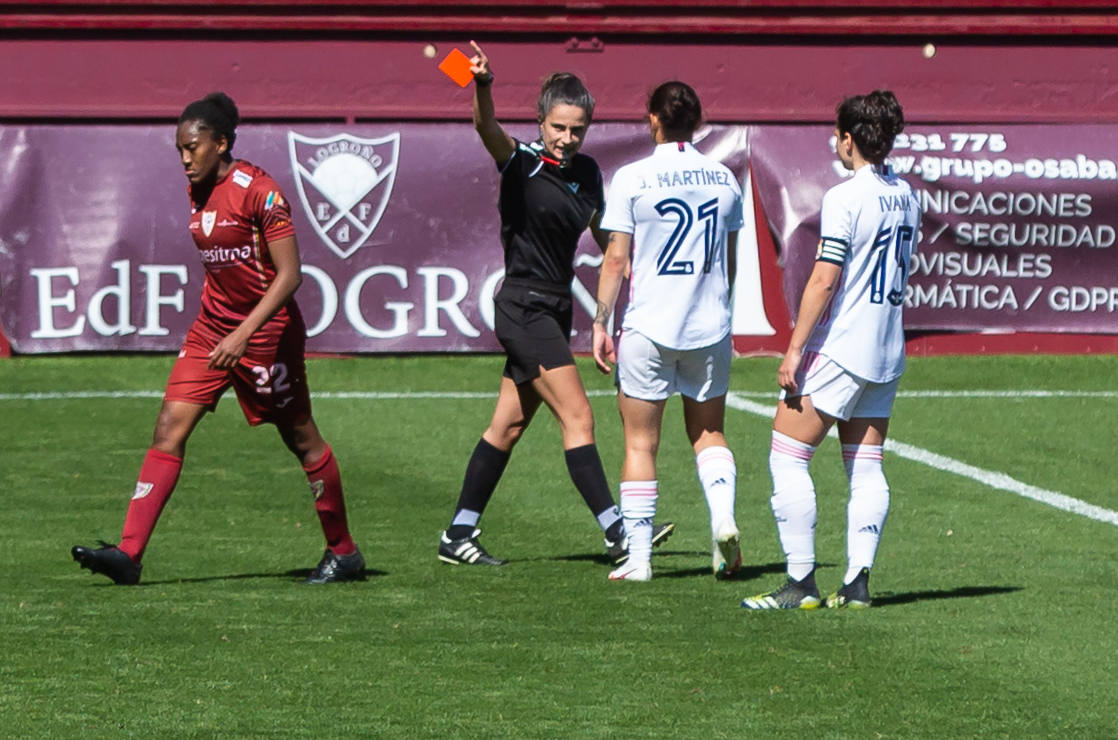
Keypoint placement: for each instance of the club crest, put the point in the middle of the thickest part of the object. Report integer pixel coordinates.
(344, 183)
(208, 220)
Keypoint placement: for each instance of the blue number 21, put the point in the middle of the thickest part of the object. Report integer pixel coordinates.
(901, 238)
(666, 262)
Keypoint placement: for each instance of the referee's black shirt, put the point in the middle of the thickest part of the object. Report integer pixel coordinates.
(544, 210)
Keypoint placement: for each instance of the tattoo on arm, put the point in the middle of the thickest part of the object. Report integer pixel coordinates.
(603, 314)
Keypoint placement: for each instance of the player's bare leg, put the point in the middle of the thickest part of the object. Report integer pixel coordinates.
(714, 462)
(342, 561)
(156, 481)
(641, 421)
(798, 418)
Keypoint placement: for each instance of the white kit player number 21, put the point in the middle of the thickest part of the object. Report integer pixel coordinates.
(666, 262)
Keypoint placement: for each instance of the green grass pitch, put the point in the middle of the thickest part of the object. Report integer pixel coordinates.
(992, 617)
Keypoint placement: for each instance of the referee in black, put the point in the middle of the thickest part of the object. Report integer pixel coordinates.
(549, 195)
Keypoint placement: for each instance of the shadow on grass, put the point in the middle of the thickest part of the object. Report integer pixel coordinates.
(603, 559)
(746, 573)
(963, 592)
(294, 575)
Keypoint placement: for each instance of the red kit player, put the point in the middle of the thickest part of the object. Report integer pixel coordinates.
(249, 334)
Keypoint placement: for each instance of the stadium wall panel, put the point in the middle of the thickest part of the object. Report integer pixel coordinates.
(766, 61)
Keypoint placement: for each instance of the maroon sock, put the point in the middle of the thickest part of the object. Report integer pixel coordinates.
(157, 479)
(326, 485)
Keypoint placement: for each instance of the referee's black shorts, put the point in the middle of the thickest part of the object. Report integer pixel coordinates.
(533, 324)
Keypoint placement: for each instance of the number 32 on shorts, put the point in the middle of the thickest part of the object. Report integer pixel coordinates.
(272, 378)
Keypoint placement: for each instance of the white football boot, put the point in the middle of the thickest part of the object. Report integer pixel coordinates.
(725, 559)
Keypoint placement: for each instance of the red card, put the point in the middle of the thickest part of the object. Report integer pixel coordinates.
(456, 66)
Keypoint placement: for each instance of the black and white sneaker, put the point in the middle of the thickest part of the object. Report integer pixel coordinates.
(853, 595)
(109, 560)
(334, 568)
(465, 551)
(618, 550)
(802, 594)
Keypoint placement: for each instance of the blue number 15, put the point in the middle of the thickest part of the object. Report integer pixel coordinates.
(901, 239)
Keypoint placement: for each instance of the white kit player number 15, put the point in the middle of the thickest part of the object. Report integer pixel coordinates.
(902, 241)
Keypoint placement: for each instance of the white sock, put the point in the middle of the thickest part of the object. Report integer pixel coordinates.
(868, 507)
(638, 508)
(608, 517)
(467, 518)
(793, 502)
(719, 475)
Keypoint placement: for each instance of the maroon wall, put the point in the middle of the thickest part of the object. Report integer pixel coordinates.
(767, 80)
(765, 60)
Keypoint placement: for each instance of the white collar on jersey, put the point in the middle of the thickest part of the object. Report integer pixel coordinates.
(674, 146)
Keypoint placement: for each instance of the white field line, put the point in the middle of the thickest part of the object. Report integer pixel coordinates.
(397, 395)
(990, 478)
(738, 400)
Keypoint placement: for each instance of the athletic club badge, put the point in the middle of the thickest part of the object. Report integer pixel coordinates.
(344, 183)
(208, 220)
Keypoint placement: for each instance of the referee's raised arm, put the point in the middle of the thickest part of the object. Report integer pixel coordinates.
(496, 140)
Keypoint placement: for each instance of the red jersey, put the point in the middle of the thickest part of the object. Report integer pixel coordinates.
(232, 228)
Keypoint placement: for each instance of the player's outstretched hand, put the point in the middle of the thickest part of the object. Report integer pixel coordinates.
(479, 65)
(604, 352)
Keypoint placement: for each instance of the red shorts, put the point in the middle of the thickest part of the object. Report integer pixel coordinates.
(270, 381)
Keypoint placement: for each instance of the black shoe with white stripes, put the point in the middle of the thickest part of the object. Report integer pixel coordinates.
(466, 551)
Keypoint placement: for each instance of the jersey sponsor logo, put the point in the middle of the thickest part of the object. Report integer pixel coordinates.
(142, 489)
(209, 218)
(344, 183)
(226, 255)
(242, 178)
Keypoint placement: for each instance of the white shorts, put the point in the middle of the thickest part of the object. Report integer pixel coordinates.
(647, 371)
(837, 393)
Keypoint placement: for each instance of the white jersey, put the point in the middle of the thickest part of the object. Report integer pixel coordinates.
(869, 225)
(679, 205)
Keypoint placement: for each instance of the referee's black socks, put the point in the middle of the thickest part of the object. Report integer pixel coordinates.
(585, 467)
(483, 472)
